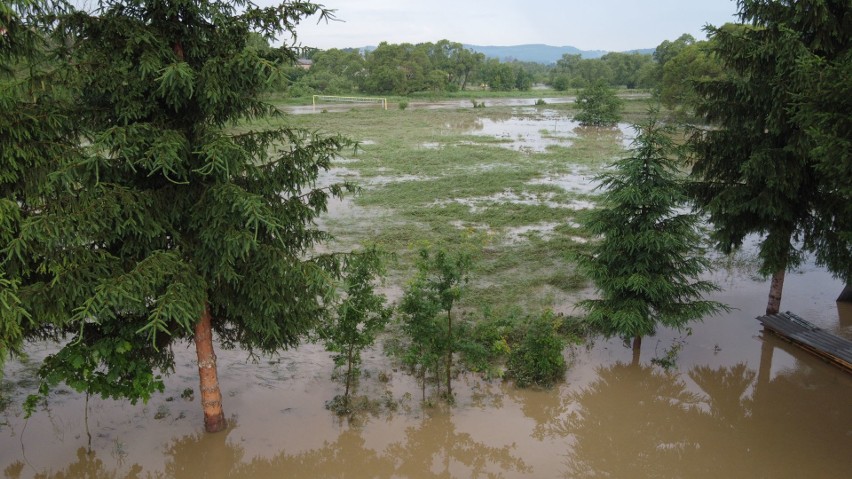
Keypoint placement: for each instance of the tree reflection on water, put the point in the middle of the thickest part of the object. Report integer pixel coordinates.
(432, 449)
(640, 421)
(790, 419)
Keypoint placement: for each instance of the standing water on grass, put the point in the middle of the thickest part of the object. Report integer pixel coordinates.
(534, 131)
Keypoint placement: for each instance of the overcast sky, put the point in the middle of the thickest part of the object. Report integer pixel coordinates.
(612, 25)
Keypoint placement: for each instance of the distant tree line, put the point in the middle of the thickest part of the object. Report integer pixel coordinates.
(446, 66)
(671, 71)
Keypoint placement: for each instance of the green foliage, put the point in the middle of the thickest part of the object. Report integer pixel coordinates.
(134, 203)
(598, 106)
(361, 316)
(103, 360)
(505, 76)
(537, 359)
(404, 68)
(693, 64)
(614, 69)
(561, 82)
(403, 105)
(427, 312)
(12, 317)
(332, 72)
(647, 260)
(358, 406)
(32, 135)
(775, 159)
(665, 52)
(486, 344)
(626, 68)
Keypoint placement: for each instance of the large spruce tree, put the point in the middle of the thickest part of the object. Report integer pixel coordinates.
(164, 222)
(775, 160)
(647, 262)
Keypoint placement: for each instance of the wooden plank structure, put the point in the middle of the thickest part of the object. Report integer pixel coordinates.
(818, 341)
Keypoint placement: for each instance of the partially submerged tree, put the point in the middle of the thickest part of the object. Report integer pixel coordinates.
(648, 259)
(599, 106)
(427, 308)
(167, 223)
(360, 317)
(775, 160)
(421, 351)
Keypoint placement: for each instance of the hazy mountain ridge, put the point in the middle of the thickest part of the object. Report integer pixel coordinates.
(537, 52)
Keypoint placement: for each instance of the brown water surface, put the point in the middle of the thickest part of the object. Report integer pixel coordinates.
(739, 403)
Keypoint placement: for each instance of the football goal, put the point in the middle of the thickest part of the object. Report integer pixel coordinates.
(348, 99)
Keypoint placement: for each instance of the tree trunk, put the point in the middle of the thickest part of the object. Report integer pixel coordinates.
(637, 349)
(348, 373)
(211, 396)
(449, 354)
(775, 289)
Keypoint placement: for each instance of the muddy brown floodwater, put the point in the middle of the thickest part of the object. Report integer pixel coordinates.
(738, 403)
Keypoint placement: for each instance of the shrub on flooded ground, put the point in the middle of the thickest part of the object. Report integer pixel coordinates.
(537, 360)
(429, 333)
(356, 406)
(527, 349)
(599, 106)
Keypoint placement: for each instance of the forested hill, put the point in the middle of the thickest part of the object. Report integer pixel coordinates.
(537, 53)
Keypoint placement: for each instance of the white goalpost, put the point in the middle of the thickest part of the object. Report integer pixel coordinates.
(348, 99)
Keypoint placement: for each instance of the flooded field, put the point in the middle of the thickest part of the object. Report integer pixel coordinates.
(723, 399)
(739, 403)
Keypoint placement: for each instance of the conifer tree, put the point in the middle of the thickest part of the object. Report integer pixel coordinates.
(165, 222)
(775, 160)
(647, 261)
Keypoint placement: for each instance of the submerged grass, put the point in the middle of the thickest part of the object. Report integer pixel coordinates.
(428, 176)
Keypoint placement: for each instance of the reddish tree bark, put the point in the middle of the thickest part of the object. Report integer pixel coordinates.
(637, 349)
(211, 396)
(775, 289)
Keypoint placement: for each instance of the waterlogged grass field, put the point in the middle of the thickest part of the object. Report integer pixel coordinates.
(506, 183)
(510, 183)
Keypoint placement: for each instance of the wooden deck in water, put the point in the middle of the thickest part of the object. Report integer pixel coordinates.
(824, 344)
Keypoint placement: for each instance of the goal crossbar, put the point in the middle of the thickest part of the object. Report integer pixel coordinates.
(348, 99)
